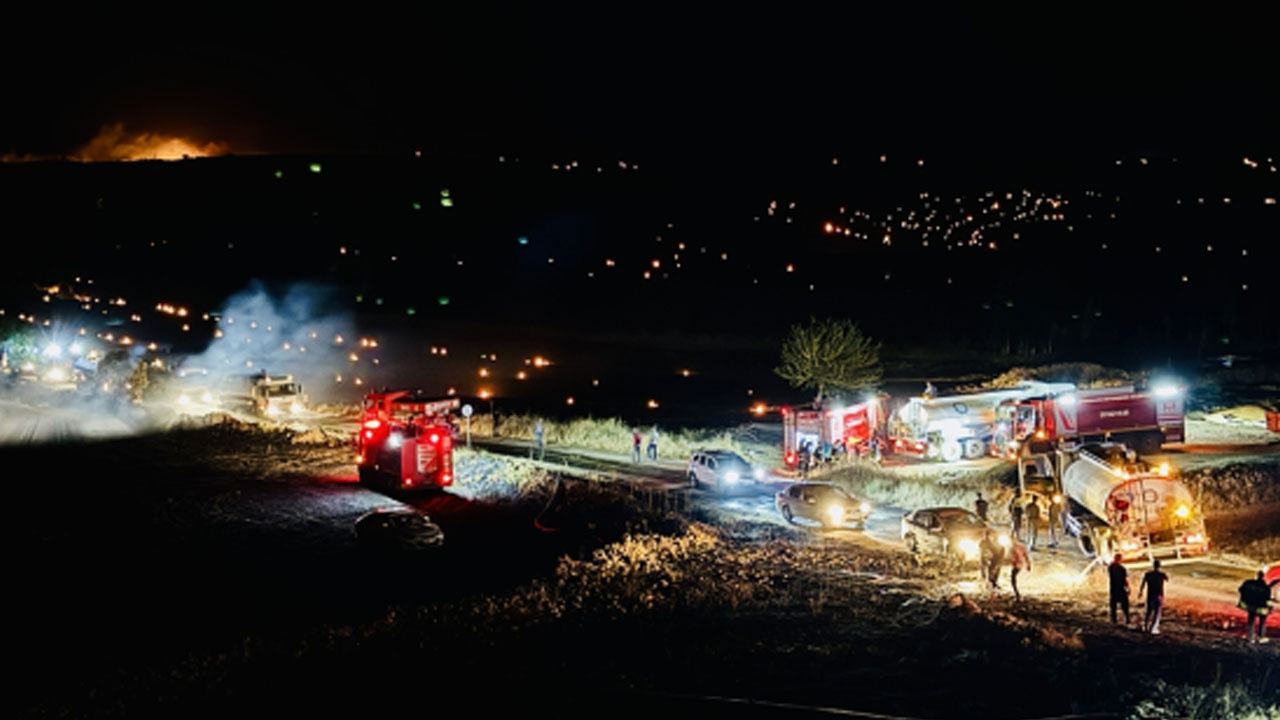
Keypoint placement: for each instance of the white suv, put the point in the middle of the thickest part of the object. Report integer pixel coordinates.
(721, 470)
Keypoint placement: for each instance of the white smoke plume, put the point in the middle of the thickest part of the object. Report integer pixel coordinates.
(299, 333)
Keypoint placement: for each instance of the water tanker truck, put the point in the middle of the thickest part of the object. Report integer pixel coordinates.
(1117, 503)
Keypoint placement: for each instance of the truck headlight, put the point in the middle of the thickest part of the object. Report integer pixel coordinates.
(295, 408)
(865, 508)
(759, 473)
(968, 547)
(836, 513)
(732, 477)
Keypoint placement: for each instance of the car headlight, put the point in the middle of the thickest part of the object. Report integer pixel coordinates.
(206, 398)
(968, 547)
(865, 508)
(836, 513)
(273, 410)
(295, 408)
(184, 400)
(731, 477)
(759, 473)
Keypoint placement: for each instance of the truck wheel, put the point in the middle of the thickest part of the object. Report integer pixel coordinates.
(786, 514)
(911, 543)
(693, 480)
(972, 448)
(1086, 544)
(952, 451)
(1149, 443)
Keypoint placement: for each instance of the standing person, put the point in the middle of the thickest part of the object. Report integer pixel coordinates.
(990, 557)
(537, 434)
(1153, 582)
(1019, 560)
(981, 506)
(1118, 578)
(1015, 515)
(635, 445)
(1055, 517)
(653, 444)
(1255, 599)
(1033, 522)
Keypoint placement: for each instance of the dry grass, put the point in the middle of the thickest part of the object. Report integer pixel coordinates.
(1084, 375)
(906, 488)
(614, 436)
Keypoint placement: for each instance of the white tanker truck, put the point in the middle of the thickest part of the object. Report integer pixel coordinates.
(1116, 503)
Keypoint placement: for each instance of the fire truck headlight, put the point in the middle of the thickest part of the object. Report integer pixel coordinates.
(1183, 512)
(395, 440)
(1166, 390)
(184, 400)
(1067, 400)
(865, 508)
(968, 547)
(273, 410)
(1004, 540)
(758, 473)
(836, 514)
(732, 477)
(295, 408)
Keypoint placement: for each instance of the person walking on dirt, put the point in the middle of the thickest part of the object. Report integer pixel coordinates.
(990, 557)
(1019, 560)
(1118, 579)
(1033, 522)
(635, 445)
(1153, 582)
(1255, 599)
(653, 444)
(537, 434)
(981, 507)
(1015, 515)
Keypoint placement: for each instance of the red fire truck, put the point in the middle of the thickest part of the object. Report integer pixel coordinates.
(854, 426)
(405, 441)
(1142, 419)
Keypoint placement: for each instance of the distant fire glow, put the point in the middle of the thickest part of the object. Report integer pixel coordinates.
(113, 144)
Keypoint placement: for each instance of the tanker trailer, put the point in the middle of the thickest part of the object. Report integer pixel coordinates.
(1120, 504)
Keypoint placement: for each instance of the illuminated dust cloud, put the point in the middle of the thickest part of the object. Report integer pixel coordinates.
(114, 143)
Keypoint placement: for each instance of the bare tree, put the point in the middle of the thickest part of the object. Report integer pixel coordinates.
(828, 355)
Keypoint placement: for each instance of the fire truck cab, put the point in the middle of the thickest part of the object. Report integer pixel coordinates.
(1144, 419)
(405, 441)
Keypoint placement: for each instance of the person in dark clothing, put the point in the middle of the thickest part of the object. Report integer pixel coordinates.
(1033, 522)
(1119, 578)
(1015, 515)
(981, 507)
(1153, 582)
(990, 557)
(1255, 599)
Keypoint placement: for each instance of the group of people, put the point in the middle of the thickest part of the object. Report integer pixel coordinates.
(651, 451)
(1025, 515)
(810, 455)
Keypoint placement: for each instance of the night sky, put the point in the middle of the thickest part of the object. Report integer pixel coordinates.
(698, 87)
